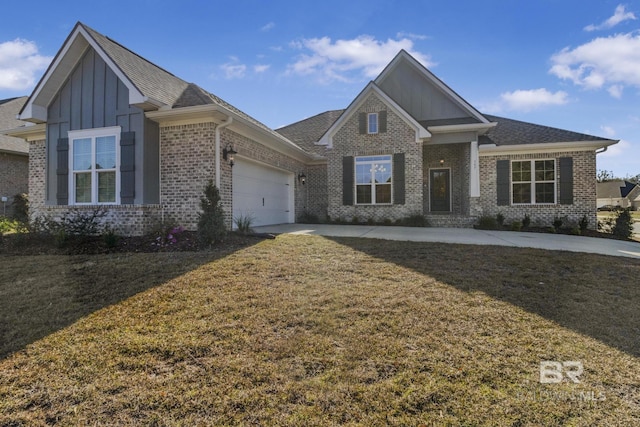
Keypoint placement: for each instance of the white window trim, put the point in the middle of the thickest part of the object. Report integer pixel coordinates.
(372, 184)
(93, 133)
(533, 182)
(369, 123)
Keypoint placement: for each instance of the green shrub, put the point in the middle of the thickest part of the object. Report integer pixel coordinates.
(8, 225)
(387, 221)
(355, 220)
(110, 238)
(526, 221)
(557, 223)
(371, 221)
(307, 217)
(487, 223)
(576, 231)
(516, 226)
(211, 224)
(243, 224)
(583, 224)
(21, 207)
(500, 218)
(623, 226)
(76, 222)
(415, 220)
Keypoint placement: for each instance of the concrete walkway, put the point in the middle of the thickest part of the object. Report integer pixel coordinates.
(466, 236)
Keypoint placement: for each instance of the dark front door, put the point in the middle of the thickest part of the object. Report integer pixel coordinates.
(440, 190)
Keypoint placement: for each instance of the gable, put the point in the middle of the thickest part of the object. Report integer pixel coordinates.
(425, 97)
(149, 86)
(420, 97)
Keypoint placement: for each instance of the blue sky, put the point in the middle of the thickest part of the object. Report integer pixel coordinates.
(569, 64)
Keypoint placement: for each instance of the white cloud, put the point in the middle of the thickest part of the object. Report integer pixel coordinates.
(412, 36)
(608, 131)
(269, 26)
(261, 68)
(620, 15)
(233, 70)
(616, 91)
(343, 60)
(613, 60)
(527, 100)
(19, 64)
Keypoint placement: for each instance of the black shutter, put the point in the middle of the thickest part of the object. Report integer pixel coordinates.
(362, 123)
(566, 180)
(398, 179)
(62, 172)
(503, 182)
(127, 167)
(347, 180)
(382, 121)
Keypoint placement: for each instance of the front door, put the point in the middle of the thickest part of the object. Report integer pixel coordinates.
(440, 190)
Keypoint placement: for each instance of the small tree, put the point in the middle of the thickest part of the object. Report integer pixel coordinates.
(211, 224)
(624, 224)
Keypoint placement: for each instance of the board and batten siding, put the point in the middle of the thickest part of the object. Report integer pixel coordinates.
(93, 97)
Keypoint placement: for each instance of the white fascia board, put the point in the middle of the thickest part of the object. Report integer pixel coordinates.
(481, 128)
(494, 150)
(421, 132)
(33, 113)
(215, 113)
(28, 133)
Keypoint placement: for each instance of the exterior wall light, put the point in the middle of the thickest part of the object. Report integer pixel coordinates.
(228, 154)
(441, 162)
(302, 178)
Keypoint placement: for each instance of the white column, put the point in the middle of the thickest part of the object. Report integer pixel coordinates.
(474, 172)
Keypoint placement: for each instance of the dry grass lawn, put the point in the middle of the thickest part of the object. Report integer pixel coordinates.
(306, 330)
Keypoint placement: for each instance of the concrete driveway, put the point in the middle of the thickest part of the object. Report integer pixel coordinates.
(465, 236)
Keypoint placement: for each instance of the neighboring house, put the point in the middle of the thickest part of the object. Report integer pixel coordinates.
(14, 156)
(112, 129)
(618, 193)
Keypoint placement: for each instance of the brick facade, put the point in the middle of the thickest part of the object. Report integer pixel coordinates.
(187, 163)
(399, 138)
(14, 179)
(584, 190)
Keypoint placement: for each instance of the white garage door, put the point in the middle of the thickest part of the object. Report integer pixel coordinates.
(262, 192)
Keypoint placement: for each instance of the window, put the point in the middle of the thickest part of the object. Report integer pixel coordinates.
(373, 180)
(533, 181)
(372, 123)
(94, 157)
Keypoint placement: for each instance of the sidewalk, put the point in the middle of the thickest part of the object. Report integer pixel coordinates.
(466, 236)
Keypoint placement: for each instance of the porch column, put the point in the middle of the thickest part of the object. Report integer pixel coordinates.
(474, 172)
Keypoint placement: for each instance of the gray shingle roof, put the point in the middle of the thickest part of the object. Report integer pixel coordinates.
(150, 79)
(515, 132)
(614, 189)
(157, 83)
(307, 132)
(9, 109)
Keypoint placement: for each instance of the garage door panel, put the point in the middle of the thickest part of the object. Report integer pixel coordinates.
(261, 192)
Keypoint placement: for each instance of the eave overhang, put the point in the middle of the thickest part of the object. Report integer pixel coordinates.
(29, 133)
(218, 114)
(547, 147)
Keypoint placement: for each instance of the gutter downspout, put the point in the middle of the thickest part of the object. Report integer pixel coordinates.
(603, 150)
(217, 136)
